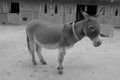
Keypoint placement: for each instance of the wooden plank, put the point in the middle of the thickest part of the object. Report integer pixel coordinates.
(70, 13)
(3, 7)
(51, 16)
(29, 6)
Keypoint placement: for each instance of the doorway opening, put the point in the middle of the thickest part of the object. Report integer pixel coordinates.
(15, 7)
(79, 16)
(92, 10)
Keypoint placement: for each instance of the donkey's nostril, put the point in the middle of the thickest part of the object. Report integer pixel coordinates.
(98, 43)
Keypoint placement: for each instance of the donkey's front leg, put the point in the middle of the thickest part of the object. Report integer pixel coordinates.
(62, 52)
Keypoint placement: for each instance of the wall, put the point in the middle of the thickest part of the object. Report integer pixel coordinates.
(66, 13)
(29, 11)
(110, 16)
(50, 15)
(3, 13)
(70, 12)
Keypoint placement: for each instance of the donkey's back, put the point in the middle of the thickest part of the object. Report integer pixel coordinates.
(43, 25)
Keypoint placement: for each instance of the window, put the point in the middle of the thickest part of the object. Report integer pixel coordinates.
(14, 8)
(45, 8)
(56, 9)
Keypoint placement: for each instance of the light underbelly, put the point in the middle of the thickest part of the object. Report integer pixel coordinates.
(49, 46)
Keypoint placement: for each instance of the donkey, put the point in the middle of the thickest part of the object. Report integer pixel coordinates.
(41, 34)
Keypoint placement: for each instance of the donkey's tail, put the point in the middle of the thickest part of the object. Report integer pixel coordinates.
(28, 43)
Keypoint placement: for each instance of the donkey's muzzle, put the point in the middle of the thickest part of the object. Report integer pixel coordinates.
(97, 43)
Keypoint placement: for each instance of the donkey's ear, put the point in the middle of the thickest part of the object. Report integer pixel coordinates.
(84, 14)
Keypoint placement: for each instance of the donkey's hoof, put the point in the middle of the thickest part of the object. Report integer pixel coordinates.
(34, 63)
(60, 72)
(43, 62)
(59, 68)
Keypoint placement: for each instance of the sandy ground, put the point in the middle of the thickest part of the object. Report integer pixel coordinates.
(82, 62)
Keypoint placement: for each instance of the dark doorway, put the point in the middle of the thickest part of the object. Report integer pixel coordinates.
(15, 7)
(79, 16)
(92, 10)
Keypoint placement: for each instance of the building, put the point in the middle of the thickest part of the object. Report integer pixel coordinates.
(57, 11)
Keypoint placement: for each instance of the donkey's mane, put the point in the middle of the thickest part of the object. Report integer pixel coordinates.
(76, 21)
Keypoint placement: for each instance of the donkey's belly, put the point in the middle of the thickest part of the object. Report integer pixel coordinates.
(47, 36)
(48, 46)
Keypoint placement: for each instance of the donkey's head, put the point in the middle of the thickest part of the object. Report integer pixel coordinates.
(92, 29)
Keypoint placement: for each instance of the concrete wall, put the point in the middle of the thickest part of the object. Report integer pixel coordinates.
(3, 18)
(14, 18)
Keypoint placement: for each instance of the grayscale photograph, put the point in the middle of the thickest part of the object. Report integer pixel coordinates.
(59, 39)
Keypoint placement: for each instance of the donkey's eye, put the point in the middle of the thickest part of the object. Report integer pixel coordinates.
(92, 28)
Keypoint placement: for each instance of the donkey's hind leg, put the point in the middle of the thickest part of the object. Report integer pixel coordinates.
(32, 52)
(38, 50)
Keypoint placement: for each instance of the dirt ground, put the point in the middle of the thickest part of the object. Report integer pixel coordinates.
(82, 62)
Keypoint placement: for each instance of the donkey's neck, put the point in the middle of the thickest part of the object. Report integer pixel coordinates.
(79, 28)
(69, 34)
